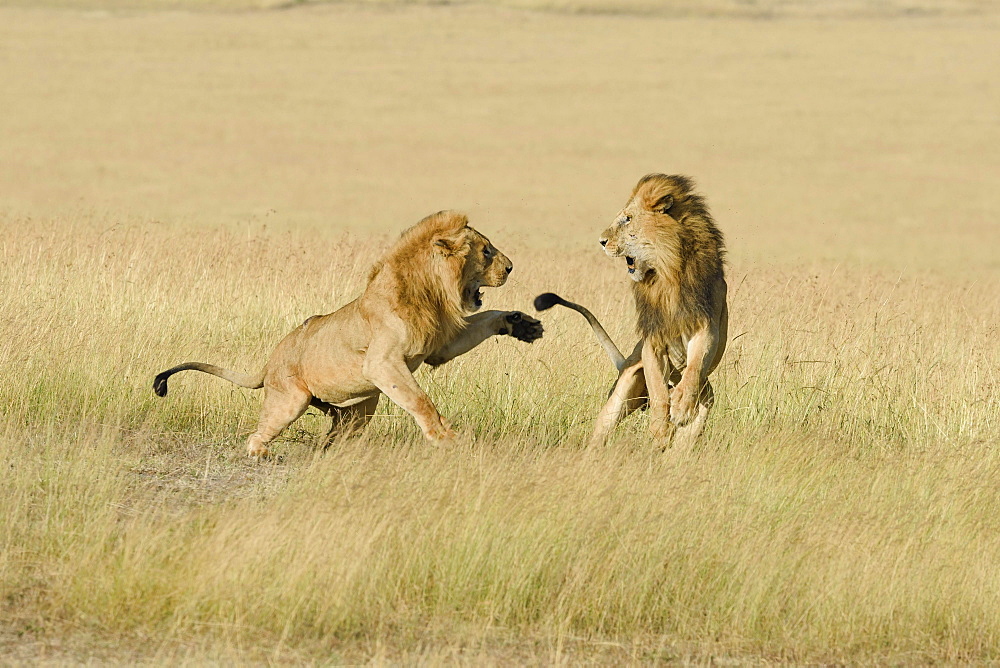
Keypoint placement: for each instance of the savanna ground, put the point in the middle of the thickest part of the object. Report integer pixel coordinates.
(182, 180)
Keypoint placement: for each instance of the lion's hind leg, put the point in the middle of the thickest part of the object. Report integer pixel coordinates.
(348, 421)
(282, 406)
(628, 395)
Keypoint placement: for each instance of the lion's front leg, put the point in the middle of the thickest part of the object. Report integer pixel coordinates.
(657, 370)
(386, 369)
(684, 400)
(685, 437)
(482, 326)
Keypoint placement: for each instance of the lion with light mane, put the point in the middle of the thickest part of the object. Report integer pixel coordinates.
(417, 307)
(674, 255)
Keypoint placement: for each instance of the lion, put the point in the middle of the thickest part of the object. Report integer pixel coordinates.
(674, 254)
(417, 307)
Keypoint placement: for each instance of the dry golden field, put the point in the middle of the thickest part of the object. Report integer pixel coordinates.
(184, 180)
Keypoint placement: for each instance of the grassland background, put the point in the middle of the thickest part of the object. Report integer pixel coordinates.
(180, 184)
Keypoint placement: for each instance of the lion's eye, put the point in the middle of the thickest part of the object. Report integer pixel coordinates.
(626, 220)
(488, 253)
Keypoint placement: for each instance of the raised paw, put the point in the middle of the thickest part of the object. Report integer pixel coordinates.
(521, 326)
(683, 405)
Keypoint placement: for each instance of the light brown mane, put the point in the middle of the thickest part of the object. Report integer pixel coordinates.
(423, 273)
(677, 298)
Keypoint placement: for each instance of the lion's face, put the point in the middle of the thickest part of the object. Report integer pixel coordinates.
(629, 237)
(484, 265)
(633, 236)
(641, 226)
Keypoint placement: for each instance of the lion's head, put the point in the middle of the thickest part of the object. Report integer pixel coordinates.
(672, 249)
(437, 269)
(649, 230)
(474, 261)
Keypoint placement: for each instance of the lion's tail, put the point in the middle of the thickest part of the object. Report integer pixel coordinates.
(547, 300)
(254, 382)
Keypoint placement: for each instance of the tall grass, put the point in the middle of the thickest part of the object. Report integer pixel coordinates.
(840, 507)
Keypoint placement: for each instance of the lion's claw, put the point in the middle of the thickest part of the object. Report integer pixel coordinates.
(523, 327)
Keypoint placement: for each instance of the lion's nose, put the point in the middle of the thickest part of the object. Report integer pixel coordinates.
(604, 242)
(510, 268)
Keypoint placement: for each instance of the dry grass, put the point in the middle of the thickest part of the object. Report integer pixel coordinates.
(840, 507)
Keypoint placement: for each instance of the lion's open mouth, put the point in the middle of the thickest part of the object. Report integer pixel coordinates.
(474, 296)
(630, 261)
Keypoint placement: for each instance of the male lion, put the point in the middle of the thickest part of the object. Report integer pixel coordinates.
(674, 255)
(413, 310)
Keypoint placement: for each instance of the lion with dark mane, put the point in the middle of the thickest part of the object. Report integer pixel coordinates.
(674, 255)
(417, 307)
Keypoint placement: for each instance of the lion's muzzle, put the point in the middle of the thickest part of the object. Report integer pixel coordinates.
(499, 270)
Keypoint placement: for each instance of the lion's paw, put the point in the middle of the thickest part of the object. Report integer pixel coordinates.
(258, 452)
(522, 326)
(441, 431)
(683, 405)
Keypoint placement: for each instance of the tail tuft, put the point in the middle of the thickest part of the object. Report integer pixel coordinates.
(547, 300)
(160, 384)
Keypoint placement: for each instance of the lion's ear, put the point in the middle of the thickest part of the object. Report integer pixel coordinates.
(663, 204)
(449, 245)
